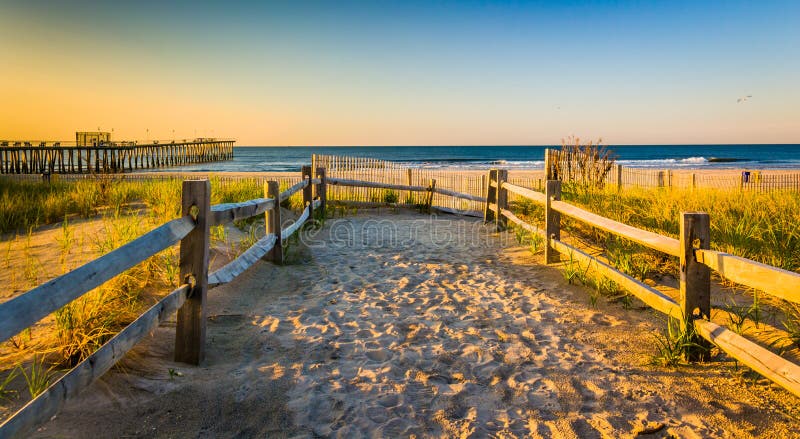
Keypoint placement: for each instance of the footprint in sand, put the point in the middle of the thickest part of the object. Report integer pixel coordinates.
(379, 355)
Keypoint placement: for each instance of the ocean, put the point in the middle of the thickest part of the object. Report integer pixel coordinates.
(290, 158)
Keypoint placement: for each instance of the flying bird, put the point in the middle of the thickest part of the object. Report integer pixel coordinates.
(743, 99)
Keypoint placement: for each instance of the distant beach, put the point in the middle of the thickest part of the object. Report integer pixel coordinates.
(677, 157)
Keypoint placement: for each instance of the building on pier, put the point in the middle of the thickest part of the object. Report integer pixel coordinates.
(92, 138)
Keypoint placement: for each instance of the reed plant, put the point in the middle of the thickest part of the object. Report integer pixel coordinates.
(585, 165)
(162, 198)
(573, 272)
(29, 204)
(232, 191)
(251, 236)
(26, 204)
(295, 202)
(38, 376)
(677, 344)
(6, 392)
(533, 241)
(764, 227)
(390, 196)
(125, 210)
(792, 324)
(761, 226)
(83, 325)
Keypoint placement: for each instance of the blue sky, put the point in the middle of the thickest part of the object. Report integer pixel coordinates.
(362, 73)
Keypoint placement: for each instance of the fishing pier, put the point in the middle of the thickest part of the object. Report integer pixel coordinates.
(97, 154)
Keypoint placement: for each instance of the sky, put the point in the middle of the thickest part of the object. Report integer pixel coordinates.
(403, 73)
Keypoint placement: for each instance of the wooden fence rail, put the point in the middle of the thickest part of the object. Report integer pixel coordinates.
(49, 402)
(696, 260)
(27, 309)
(428, 190)
(396, 176)
(189, 300)
(775, 281)
(192, 230)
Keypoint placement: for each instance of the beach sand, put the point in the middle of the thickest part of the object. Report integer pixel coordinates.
(399, 325)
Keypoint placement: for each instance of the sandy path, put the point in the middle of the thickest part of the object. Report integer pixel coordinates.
(402, 326)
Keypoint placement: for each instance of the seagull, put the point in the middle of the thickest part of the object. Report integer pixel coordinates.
(743, 99)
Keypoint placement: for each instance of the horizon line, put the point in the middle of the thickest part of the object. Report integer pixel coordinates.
(510, 145)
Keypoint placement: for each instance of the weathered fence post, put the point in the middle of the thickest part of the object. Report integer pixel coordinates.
(491, 196)
(552, 220)
(314, 161)
(273, 222)
(409, 181)
(619, 177)
(695, 282)
(190, 332)
(483, 190)
(308, 191)
(502, 199)
(694, 181)
(660, 178)
(322, 193)
(431, 188)
(547, 165)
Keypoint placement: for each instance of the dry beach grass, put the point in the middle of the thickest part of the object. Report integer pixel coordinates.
(405, 326)
(388, 323)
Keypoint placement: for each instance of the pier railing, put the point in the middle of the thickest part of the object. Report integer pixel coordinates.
(693, 307)
(43, 158)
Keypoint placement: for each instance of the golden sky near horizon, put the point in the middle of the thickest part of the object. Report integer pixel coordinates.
(397, 82)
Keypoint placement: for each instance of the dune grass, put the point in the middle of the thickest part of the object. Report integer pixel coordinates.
(764, 227)
(125, 210)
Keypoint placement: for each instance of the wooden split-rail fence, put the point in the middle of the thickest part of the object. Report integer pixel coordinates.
(397, 175)
(58, 157)
(192, 232)
(189, 299)
(696, 262)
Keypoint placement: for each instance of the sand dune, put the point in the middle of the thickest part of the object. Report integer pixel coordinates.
(402, 326)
